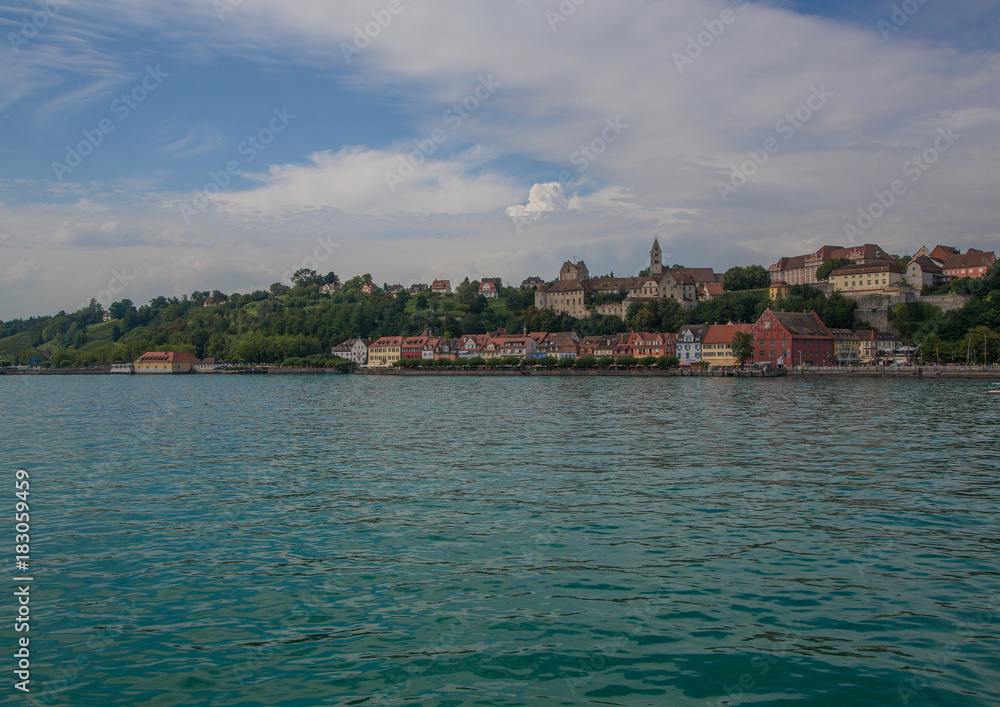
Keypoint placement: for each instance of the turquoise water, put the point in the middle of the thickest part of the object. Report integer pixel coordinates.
(236, 540)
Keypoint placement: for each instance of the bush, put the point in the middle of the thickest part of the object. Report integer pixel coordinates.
(565, 362)
(628, 360)
(647, 361)
(605, 361)
(586, 361)
(547, 361)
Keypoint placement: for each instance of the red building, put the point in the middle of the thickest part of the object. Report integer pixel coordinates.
(791, 338)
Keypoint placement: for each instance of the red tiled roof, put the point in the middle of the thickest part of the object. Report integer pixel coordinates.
(167, 357)
(724, 333)
(970, 260)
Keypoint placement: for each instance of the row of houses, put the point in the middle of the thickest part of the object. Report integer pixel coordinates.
(777, 338)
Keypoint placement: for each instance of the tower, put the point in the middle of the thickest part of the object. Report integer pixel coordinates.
(655, 258)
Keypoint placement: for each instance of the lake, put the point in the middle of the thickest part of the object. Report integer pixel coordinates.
(363, 540)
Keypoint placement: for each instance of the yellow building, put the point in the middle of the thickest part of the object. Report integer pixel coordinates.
(846, 346)
(385, 351)
(166, 362)
(717, 346)
(866, 278)
(779, 290)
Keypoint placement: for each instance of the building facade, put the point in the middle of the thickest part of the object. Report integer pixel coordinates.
(792, 338)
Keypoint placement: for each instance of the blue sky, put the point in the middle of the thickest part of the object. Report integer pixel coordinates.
(229, 143)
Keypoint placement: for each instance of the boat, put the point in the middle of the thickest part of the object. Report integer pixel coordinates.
(995, 390)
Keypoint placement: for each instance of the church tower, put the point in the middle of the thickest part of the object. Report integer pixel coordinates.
(655, 258)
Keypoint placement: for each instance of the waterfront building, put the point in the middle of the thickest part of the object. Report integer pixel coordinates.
(353, 350)
(878, 345)
(165, 362)
(791, 338)
(385, 351)
(846, 346)
(689, 341)
(717, 345)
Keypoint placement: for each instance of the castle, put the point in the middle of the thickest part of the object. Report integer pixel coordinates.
(613, 295)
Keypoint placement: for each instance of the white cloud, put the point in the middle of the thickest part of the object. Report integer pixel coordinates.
(542, 199)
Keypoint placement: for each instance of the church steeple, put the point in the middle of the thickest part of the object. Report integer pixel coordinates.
(655, 258)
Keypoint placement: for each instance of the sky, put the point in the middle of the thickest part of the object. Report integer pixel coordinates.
(162, 148)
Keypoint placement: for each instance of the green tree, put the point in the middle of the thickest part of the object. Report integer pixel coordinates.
(742, 347)
(831, 264)
(586, 361)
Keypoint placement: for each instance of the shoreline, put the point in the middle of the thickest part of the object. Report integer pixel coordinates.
(918, 373)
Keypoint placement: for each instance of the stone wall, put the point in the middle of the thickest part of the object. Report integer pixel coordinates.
(946, 302)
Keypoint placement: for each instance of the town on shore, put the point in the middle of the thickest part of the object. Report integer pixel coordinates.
(865, 275)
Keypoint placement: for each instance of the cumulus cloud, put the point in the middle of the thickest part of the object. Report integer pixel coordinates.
(542, 199)
(358, 180)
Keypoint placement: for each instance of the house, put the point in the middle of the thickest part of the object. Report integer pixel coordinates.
(165, 362)
(417, 288)
(509, 346)
(717, 344)
(922, 271)
(867, 279)
(212, 301)
(788, 338)
(385, 351)
(689, 340)
(206, 365)
(641, 344)
(531, 283)
(488, 289)
(330, 288)
(877, 345)
(395, 290)
(846, 346)
(564, 297)
(972, 264)
(353, 350)
(413, 346)
(710, 290)
(436, 349)
(441, 286)
(801, 269)
(939, 254)
(563, 344)
(106, 317)
(369, 288)
(779, 290)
